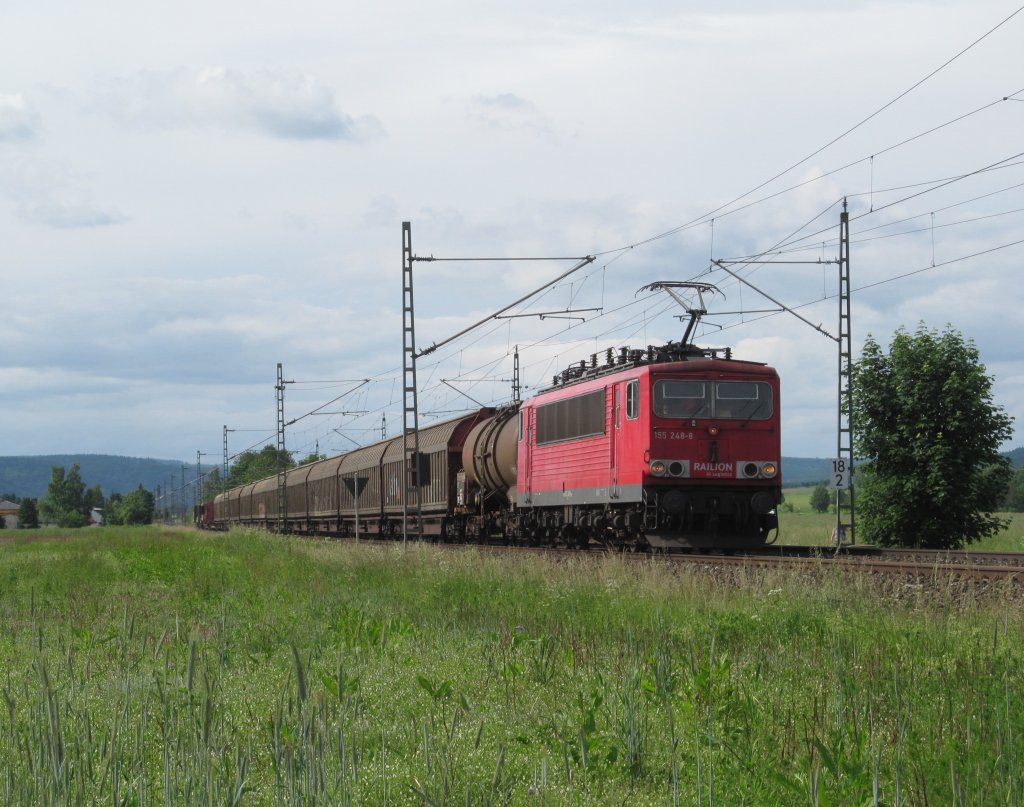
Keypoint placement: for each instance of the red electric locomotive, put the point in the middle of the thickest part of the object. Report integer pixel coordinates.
(674, 446)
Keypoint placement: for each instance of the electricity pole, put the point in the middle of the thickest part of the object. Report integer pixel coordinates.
(842, 475)
(282, 491)
(410, 409)
(199, 478)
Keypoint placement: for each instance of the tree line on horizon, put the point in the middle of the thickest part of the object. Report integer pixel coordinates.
(68, 503)
(252, 466)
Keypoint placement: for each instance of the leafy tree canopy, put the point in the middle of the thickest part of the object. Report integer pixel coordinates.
(136, 507)
(1014, 501)
(820, 499)
(64, 504)
(28, 515)
(93, 497)
(929, 432)
(251, 466)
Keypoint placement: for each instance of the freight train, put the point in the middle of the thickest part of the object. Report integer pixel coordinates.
(671, 446)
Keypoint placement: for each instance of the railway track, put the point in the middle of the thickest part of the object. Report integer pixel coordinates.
(913, 564)
(918, 565)
(945, 557)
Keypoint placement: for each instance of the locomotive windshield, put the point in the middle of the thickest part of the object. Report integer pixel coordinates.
(736, 400)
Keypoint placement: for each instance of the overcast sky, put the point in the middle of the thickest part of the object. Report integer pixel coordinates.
(193, 192)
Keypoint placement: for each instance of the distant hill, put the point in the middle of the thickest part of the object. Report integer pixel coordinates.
(30, 476)
(801, 471)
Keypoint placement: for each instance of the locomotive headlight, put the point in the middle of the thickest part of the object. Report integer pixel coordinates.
(713, 431)
(768, 470)
(658, 468)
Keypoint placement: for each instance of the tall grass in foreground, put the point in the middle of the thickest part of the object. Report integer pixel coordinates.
(151, 668)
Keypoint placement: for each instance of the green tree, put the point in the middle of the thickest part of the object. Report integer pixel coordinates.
(314, 457)
(928, 434)
(821, 499)
(28, 515)
(65, 498)
(251, 466)
(136, 507)
(212, 485)
(93, 498)
(1014, 501)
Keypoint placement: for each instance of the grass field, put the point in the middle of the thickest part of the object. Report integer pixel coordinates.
(800, 524)
(155, 667)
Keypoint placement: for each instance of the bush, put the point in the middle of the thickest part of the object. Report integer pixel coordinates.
(821, 499)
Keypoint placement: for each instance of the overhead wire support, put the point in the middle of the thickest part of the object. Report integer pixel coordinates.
(426, 351)
(721, 265)
(566, 314)
(750, 311)
(362, 383)
(756, 259)
(464, 394)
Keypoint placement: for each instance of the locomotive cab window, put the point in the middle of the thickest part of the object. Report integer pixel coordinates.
(727, 400)
(633, 399)
(682, 399)
(745, 400)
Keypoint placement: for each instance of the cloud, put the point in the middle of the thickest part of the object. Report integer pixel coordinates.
(272, 103)
(46, 191)
(382, 211)
(509, 111)
(69, 215)
(505, 100)
(18, 120)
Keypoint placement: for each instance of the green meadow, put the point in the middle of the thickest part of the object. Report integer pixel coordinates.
(145, 666)
(800, 524)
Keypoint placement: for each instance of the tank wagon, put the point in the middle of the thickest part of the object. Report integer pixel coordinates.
(662, 447)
